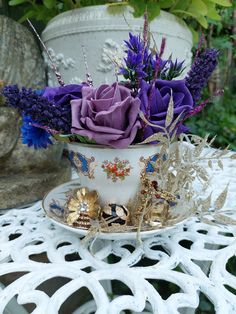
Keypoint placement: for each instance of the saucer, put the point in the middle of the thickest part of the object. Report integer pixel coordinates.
(54, 203)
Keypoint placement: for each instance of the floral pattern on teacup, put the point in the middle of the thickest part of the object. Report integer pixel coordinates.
(116, 169)
(82, 164)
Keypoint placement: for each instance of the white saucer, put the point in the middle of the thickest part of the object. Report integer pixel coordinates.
(53, 204)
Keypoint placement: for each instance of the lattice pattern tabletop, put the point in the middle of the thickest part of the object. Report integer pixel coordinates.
(44, 266)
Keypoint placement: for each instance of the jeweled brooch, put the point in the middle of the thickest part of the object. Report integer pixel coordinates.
(82, 206)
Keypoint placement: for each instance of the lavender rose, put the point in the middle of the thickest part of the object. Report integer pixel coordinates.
(157, 109)
(107, 114)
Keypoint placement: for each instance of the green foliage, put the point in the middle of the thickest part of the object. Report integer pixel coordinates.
(45, 10)
(199, 10)
(219, 117)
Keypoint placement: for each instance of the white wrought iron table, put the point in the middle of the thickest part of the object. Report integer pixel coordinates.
(43, 266)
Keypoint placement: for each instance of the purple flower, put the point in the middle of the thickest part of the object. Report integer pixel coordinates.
(135, 43)
(107, 114)
(51, 110)
(62, 95)
(134, 66)
(12, 95)
(140, 63)
(135, 61)
(60, 98)
(200, 72)
(183, 103)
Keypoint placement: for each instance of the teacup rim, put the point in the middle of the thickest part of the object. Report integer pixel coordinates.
(135, 146)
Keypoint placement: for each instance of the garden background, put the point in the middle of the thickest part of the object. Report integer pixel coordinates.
(219, 116)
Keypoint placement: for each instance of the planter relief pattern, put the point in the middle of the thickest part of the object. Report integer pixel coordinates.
(103, 35)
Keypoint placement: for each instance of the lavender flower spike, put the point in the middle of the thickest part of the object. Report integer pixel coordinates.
(51, 109)
(200, 72)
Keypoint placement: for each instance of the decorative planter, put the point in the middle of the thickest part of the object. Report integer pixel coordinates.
(102, 35)
(115, 174)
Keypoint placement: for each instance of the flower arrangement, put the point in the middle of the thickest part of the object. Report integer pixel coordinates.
(123, 113)
(148, 105)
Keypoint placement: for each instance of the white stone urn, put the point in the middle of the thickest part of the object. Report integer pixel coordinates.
(114, 173)
(102, 36)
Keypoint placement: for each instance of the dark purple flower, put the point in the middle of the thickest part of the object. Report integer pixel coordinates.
(200, 72)
(183, 103)
(12, 95)
(60, 97)
(134, 66)
(51, 110)
(140, 63)
(135, 60)
(107, 114)
(135, 43)
(63, 94)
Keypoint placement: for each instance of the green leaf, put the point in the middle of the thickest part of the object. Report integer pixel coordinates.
(195, 35)
(139, 7)
(202, 21)
(180, 5)
(181, 12)
(198, 7)
(212, 12)
(60, 138)
(223, 3)
(153, 10)
(116, 8)
(44, 14)
(17, 2)
(28, 15)
(49, 3)
(84, 139)
(166, 4)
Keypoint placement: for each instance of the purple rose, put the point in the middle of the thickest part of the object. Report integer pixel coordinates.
(107, 114)
(59, 114)
(183, 103)
(63, 94)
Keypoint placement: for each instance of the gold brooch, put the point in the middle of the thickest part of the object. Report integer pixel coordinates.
(83, 206)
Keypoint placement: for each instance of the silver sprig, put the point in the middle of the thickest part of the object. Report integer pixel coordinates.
(54, 68)
(88, 75)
